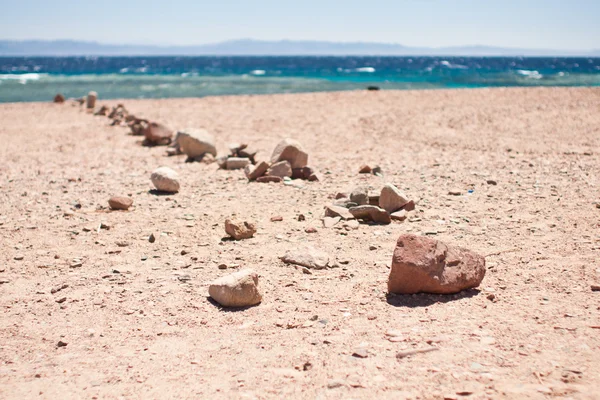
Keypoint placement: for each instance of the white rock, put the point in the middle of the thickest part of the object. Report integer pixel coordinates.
(309, 257)
(237, 163)
(165, 179)
(290, 150)
(195, 142)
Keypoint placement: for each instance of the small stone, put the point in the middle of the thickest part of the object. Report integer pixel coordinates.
(269, 179)
(372, 247)
(391, 198)
(455, 192)
(351, 225)
(301, 217)
(254, 172)
(237, 163)
(59, 98)
(595, 288)
(281, 169)
(377, 171)
(337, 211)
(398, 215)
(61, 344)
(410, 206)
(152, 238)
(309, 257)
(311, 229)
(365, 169)
(277, 218)
(222, 266)
(360, 196)
(165, 180)
(240, 230)
(76, 263)
(422, 264)
(330, 222)
(371, 213)
(19, 257)
(61, 300)
(120, 202)
(239, 289)
(290, 150)
(334, 384)
(360, 353)
(492, 182)
(91, 100)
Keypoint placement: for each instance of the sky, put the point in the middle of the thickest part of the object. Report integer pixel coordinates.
(544, 24)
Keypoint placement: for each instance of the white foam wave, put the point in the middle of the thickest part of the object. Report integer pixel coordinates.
(369, 70)
(124, 70)
(533, 74)
(448, 64)
(22, 78)
(258, 72)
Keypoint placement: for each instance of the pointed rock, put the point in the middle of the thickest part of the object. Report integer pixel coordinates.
(392, 199)
(290, 150)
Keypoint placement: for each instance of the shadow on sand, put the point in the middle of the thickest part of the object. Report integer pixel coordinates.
(426, 299)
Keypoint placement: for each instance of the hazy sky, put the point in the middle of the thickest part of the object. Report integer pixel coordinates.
(557, 24)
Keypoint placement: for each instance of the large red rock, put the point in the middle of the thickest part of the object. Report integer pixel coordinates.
(422, 264)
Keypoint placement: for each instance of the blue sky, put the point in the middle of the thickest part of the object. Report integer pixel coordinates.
(552, 24)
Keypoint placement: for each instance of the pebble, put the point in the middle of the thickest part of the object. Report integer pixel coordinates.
(19, 257)
(311, 229)
(337, 211)
(254, 172)
(492, 182)
(165, 180)
(365, 169)
(277, 218)
(61, 344)
(309, 257)
(329, 222)
(237, 163)
(152, 238)
(268, 179)
(239, 289)
(360, 353)
(120, 202)
(595, 288)
(454, 192)
(240, 230)
(334, 384)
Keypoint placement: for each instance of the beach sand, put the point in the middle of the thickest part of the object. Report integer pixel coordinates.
(136, 318)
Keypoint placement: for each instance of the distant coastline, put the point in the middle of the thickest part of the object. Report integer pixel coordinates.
(249, 47)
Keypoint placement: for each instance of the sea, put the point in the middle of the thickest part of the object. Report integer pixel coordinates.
(25, 79)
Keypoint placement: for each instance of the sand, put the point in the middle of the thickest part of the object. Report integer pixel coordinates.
(136, 318)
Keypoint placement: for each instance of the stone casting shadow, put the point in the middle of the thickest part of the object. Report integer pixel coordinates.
(155, 192)
(229, 309)
(426, 299)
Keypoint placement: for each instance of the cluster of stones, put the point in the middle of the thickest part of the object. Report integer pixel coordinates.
(288, 161)
(389, 204)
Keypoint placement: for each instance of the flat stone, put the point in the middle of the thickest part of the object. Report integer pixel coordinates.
(371, 213)
(308, 257)
(237, 163)
(337, 211)
(254, 172)
(391, 198)
(398, 215)
(268, 179)
(239, 230)
(239, 289)
(422, 264)
(165, 179)
(120, 202)
(330, 222)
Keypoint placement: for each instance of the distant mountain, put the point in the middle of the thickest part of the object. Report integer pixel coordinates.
(248, 47)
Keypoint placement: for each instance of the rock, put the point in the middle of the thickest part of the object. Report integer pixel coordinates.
(277, 218)
(254, 172)
(19, 257)
(595, 288)
(120, 202)
(392, 199)
(454, 192)
(239, 289)
(195, 142)
(152, 238)
(280, 169)
(290, 150)
(422, 264)
(351, 225)
(91, 100)
(308, 257)
(373, 88)
(59, 98)
(360, 196)
(248, 152)
(364, 169)
(337, 211)
(102, 111)
(492, 182)
(237, 163)
(311, 229)
(222, 161)
(235, 149)
(165, 179)
(157, 134)
(306, 173)
(239, 230)
(267, 179)
(330, 222)
(410, 206)
(374, 199)
(377, 171)
(360, 353)
(371, 213)
(398, 215)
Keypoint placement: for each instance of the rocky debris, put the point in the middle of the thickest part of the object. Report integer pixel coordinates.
(392, 199)
(157, 134)
(365, 169)
(269, 179)
(91, 100)
(280, 169)
(240, 230)
(422, 264)
(59, 98)
(237, 163)
(330, 222)
(165, 180)
(337, 211)
(455, 192)
(308, 257)
(152, 238)
(360, 196)
(103, 111)
(175, 149)
(290, 150)
(254, 172)
(398, 215)
(371, 213)
(118, 115)
(239, 289)
(120, 202)
(196, 142)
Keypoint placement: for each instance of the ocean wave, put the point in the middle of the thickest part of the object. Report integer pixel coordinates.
(22, 78)
(533, 74)
(258, 72)
(369, 70)
(448, 64)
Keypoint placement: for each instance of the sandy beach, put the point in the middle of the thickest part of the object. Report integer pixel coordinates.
(134, 319)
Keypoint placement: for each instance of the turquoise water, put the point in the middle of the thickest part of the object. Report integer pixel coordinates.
(40, 78)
